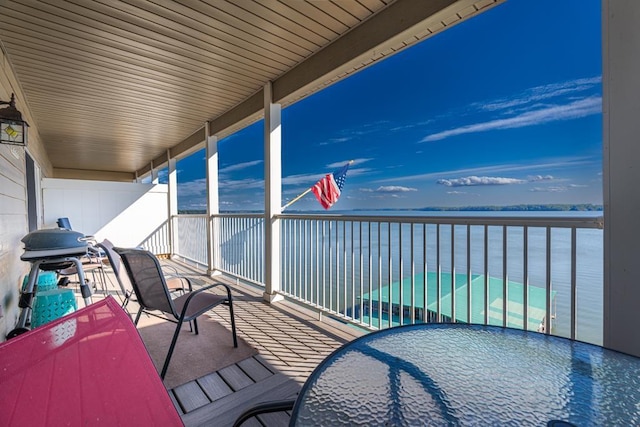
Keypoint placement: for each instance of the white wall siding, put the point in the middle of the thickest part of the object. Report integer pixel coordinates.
(13, 226)
(128, 214)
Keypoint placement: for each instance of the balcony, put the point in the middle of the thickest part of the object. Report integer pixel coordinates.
(365, 272)
(339, 274)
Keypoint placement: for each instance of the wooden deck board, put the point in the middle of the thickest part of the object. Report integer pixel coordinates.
(190, 396)
(274, 419)
(214, 386)
(223, 395)
(256, 370)
(227, 409)
(176, 403)
(253, 422)
(235, 377)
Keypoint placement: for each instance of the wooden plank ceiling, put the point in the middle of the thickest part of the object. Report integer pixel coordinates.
(113, 84)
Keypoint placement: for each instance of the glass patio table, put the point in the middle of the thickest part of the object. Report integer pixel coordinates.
(456, 374)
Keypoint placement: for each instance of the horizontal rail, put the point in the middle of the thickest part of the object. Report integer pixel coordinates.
(509, 221)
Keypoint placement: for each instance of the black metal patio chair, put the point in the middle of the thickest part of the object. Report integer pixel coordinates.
(175, 282)
(151, 290)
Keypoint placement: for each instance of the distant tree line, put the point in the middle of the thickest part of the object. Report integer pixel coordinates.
(522, 207)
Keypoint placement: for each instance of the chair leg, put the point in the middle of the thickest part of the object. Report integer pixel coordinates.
(126, 300)
(138, 316)
(171, 348)
(195, 326)
(233, 323)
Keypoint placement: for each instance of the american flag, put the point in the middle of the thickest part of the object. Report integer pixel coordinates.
(328, 189)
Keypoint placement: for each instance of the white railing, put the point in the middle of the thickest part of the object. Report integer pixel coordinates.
(190, 234)
(536, 273)
(241, 242)
(158, 242)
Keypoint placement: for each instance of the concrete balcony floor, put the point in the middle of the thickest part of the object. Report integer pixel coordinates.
(279, 346)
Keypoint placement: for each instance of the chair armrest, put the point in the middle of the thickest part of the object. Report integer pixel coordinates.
(182, 279)
(199, 291)
(264, 408)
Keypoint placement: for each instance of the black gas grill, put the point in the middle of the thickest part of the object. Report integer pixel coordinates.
(50, 250)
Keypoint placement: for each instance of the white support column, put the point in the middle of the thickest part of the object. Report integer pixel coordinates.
(621, 127)
(154, 174)
(173, 204)
(272, 194)
(213, 201)
(136, 180)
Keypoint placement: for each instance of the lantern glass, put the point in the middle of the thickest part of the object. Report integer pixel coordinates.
(13, 132)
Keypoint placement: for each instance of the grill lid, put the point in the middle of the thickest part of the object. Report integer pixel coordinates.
(53, 242)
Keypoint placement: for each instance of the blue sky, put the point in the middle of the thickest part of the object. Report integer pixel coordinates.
(502, 109)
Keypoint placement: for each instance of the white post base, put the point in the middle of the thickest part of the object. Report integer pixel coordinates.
(271, 298)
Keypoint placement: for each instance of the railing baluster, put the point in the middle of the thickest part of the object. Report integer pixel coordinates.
(574, 286)
(390, 274)
(345, 303)
(412, 313)
(330, 269)
(547, 319)
(505, 296)
(361, 272)
(370, 277)
(469, 284)
(453, 274)
(486, 274)
(525, 277)
(324, 266)
(379, 278)
(425, 279)
(353, 274)
(400, 276)
(438, 276)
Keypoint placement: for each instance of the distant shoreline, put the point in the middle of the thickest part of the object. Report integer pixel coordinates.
(585, 207)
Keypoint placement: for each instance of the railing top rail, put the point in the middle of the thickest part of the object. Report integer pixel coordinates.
(530, 221)
(596, 222)
(238, 215)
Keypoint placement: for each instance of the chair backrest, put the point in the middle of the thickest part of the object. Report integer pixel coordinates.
(145, 275)
(116, 266)
(64, 223)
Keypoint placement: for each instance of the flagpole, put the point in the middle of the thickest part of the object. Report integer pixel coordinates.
(296, 199)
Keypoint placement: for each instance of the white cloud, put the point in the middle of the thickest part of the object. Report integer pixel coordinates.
(544, 164)
(478, 180)
(240, 166)
(540, 93)
(391, 189)
(394, 189)
(576, 109)
(341, 163)
(192, 188)
(536, 178)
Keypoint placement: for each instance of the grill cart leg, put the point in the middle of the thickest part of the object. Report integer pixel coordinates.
(26, 299)
(84, 287)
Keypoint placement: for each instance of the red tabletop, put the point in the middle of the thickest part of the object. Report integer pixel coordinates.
(86, 369)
